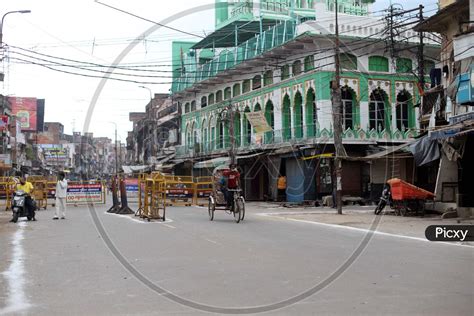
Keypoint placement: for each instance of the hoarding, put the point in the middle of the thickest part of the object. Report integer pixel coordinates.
(3, 122)
(258, 121)
(84, 193)
(54, 153)
(25, 111)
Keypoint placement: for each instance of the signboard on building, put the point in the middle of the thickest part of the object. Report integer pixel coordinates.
(5, 161)
(54, 153)
(25, 111)
(3, 122)
(84, 193)
(258, 121)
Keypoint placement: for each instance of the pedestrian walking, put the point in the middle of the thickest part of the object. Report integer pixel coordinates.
(61, 190)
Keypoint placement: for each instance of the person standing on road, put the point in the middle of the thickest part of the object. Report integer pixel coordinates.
(61, 191)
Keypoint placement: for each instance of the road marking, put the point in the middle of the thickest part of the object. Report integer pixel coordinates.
(170, 226)
(140, 220)
(212, 241)
(17, 299)
(364, 230)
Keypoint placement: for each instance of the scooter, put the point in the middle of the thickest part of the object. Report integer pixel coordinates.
(385, 199)
(19, 207)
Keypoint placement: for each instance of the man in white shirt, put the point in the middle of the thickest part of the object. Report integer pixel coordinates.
(61, 191)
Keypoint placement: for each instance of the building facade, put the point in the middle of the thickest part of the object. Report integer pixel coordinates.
(284, 70)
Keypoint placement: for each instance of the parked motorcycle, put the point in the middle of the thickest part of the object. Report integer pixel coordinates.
(385, 199)
(19, 207)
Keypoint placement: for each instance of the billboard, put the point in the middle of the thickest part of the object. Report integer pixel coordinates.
(54, 153)
(25, 111)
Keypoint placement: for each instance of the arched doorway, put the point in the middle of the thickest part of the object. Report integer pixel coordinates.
(378, 109)
(311, 113)
(270, 117)
(286, 118)
(298, 115)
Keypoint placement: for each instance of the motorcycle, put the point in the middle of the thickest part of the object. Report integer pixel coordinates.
(385, 199)
(19, 207)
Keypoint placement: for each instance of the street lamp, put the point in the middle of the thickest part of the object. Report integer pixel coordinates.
(149, 90)
(3, 18)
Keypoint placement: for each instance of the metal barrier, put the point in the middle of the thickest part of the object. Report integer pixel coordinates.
(179, 190)
(153, 197)
(202, 190)
(40, 191)
(7, 187)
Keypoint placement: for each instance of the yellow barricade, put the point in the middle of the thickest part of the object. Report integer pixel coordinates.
(179, 190)
(153, 198)
(7, 188)
(202, 190)
(40, 193)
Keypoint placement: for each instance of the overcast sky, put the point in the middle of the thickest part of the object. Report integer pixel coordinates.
(87, 31)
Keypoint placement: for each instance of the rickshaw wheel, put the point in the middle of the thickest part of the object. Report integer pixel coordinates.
(237, 213)
(241, 207)
(211, 209)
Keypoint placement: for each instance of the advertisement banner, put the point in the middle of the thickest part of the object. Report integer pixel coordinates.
(25, 111)
(5, 161)
(131, 187)
(3, 122)
(54, 153)
(84, 193)
(258, 121)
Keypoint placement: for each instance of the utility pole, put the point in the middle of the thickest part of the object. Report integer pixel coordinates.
(421, 61)
(231, 134)
(337, 120)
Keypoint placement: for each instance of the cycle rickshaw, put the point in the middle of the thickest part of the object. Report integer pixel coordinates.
(217, 200)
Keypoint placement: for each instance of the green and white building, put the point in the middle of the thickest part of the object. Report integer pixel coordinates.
(277, 56)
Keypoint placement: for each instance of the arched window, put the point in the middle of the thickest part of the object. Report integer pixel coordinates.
(377, 109)
(347, 106)
(308, 63)
(378, 63)
(256, 82)
(403, 109)
(193, 106)
(219, 96)
(187, 107)
(286, 118)
(247, 128)
(348, 61)
(211, 99)
(298, 115)
(268, 78)
(220, 134)
(296, 68)
(227, 93)
(270, 117)
(236, 89)
(311, 113)
(237, 133)
(203, 102)
(404, 65)
(285, 72)
(246, 86)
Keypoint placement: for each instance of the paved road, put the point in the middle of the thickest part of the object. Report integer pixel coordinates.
(59, 267)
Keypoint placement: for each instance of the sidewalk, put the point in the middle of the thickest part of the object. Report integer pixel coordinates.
(359, 217)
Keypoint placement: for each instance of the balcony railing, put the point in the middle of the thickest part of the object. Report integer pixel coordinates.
(232, 57)
(307, 134)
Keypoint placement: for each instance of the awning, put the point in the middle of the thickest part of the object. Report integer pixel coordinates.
(219, 161)
(134, 169)
(387, 152)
